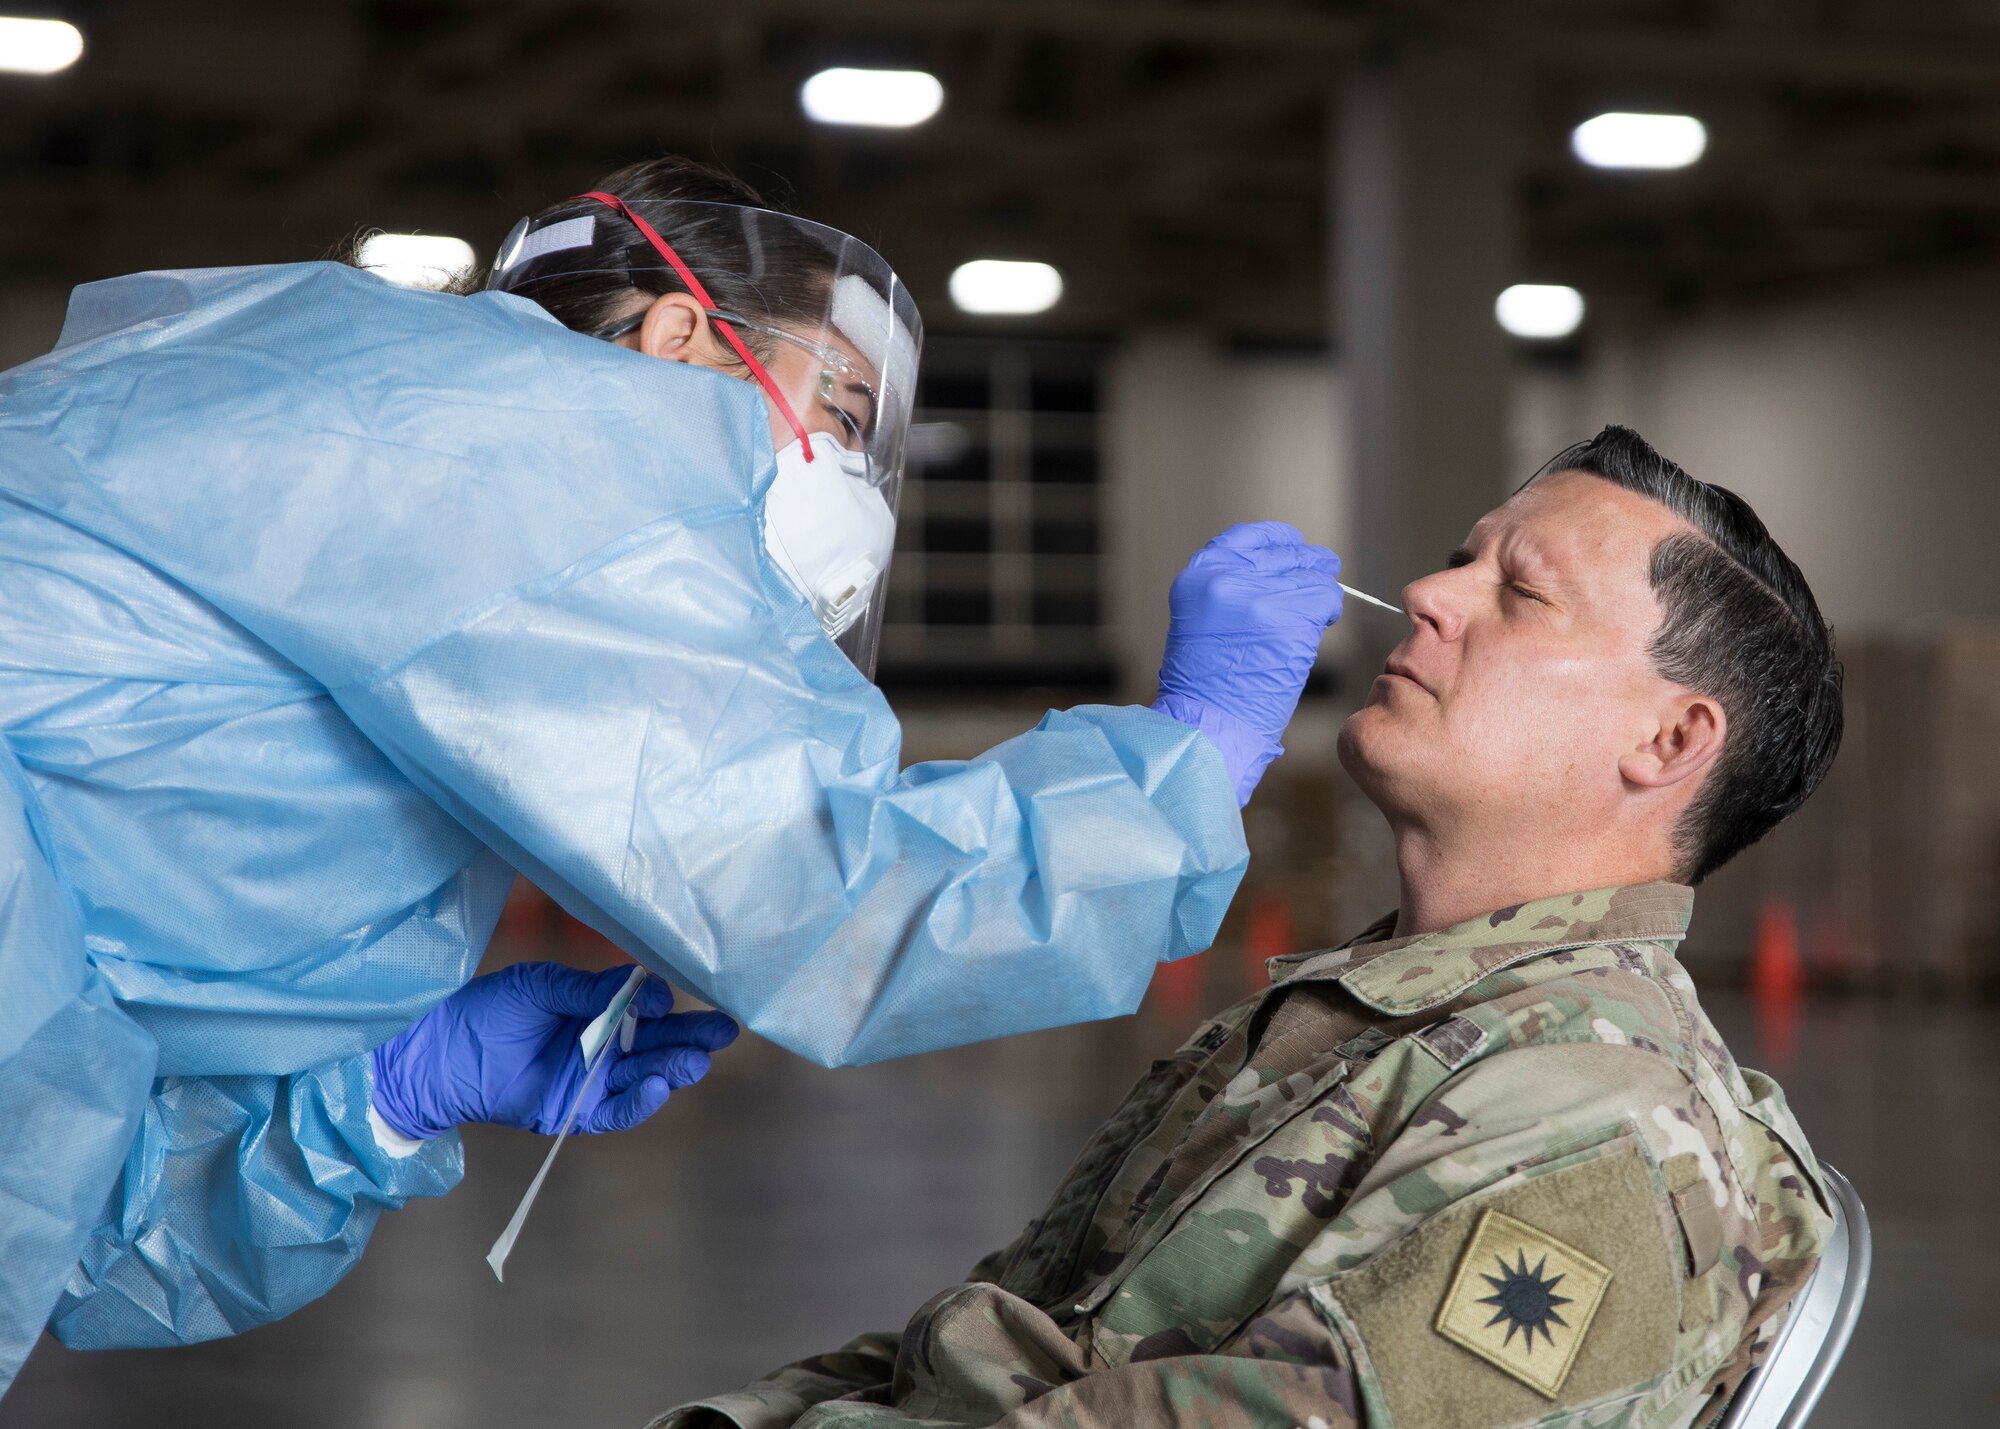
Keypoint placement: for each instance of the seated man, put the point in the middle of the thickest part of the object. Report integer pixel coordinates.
(1488, 1164)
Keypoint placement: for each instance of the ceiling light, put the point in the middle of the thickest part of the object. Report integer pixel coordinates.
(882, 98)
(1539, 310)
(1639, 141)
(415, 260)
(38, 46)
(999, 285)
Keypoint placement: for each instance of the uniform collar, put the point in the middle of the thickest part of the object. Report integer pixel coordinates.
(1401, 976)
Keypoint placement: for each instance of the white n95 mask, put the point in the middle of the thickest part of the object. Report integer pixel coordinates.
(829, 531)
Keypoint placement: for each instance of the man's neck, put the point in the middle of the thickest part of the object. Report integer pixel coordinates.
(1443, 885)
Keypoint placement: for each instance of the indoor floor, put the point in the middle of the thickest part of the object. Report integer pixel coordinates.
(778, 1209)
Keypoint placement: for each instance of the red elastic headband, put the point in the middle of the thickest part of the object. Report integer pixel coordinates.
(700, 295)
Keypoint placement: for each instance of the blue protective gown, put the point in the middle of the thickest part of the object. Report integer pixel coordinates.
(326, 605)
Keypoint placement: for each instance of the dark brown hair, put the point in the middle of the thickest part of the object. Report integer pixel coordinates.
(621, 272)
(1742, 627)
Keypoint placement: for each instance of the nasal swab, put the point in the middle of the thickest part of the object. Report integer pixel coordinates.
(1363, 595)
(595, 1044)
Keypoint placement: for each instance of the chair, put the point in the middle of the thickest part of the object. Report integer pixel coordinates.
(1781, 1392)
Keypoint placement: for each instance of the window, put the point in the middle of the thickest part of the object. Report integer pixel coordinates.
(996, 578)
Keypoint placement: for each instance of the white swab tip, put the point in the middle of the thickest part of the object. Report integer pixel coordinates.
(1372, 600)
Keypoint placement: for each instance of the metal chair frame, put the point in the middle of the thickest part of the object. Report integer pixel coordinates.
(1782, 1392)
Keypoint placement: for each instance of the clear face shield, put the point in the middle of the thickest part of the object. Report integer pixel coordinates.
(821, 323)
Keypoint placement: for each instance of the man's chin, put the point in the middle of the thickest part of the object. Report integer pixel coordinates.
(1375, 749)
(1359, 741)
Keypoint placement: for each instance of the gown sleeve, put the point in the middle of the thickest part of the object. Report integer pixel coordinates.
(528, 566)
(240, 1200)
(73, 1077)
(139, 1211)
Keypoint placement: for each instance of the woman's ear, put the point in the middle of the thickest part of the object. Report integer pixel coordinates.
(1687, 742)
(676, 329)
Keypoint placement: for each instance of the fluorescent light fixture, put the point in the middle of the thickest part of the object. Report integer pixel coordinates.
(38, 46)
(1639, 141)
(415, 260)
(880, 98)
(1539, 310)
(1000, 285)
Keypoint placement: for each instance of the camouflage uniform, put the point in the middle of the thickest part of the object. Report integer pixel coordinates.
(1503, 1174)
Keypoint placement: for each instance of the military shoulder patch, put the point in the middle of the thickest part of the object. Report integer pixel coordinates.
(1587, 1282)
(1522, 1301)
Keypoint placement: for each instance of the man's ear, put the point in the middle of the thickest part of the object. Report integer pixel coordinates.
(1684, 746)
(676, 329)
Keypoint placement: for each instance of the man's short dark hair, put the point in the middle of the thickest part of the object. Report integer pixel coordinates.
(1742, 627)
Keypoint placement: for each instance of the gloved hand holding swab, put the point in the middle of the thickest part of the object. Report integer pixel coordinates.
(593, 1044)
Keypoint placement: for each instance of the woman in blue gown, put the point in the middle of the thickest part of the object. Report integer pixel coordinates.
(327, 605)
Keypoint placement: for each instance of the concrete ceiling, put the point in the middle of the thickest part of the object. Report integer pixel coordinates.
(1168, 155)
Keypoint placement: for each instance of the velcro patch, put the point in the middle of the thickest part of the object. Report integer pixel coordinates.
(1522, 1301)
(1452, 1041)
(1601, 1207)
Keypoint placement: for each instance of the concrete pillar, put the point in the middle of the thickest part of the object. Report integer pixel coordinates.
(1197, 439)
(1155, 499)
(1423, 220)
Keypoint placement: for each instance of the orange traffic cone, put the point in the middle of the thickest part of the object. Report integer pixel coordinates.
(1777, 974)
(1777, 977)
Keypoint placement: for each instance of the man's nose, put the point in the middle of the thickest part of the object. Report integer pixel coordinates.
(1429, 602)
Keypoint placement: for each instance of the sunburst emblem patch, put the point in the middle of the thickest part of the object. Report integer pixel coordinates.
(1526, 1301)
(1523, 1301)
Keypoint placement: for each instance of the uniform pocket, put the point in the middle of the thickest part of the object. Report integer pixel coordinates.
(1044, 1264)
(1219, 1254)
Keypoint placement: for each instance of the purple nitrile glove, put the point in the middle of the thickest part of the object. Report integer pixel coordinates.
(503, 1049)
(1246, 620)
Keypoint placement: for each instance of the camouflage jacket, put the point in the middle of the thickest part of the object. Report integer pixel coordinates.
(1502, 1174)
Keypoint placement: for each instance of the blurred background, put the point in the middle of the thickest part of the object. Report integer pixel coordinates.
(1359, 266)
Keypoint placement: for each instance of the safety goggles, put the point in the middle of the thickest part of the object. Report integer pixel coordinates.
(836, 369)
